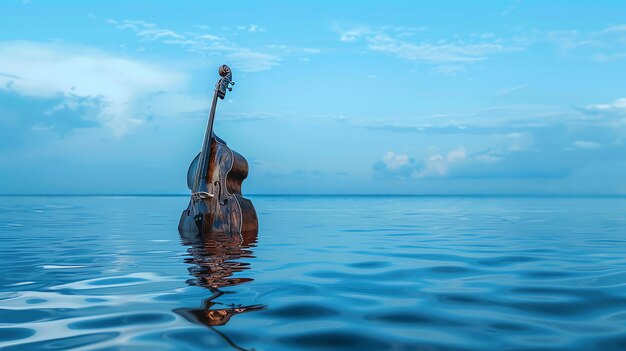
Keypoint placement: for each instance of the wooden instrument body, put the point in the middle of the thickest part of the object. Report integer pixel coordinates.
(227, 211)
(215, 178)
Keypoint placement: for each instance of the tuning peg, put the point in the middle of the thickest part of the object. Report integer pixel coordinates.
(232, 83)
(230, 89)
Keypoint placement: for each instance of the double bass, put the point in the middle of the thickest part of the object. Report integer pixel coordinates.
(214, 178)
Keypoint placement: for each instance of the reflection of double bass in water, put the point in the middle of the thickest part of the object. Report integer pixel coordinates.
(215, 258)
(214, 178)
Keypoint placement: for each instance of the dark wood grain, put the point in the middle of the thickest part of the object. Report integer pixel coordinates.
(227, 211)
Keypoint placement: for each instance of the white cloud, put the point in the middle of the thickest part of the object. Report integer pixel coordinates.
(436, 165)
(255, 28)
(353, 34)
(456, 155)
(61, 70)
(395, 161)
(618, 106)
(252, 28)
(439, 165)
(439, 52)
(611, 115)
(436, 53)
(610, 41)
(242, 58)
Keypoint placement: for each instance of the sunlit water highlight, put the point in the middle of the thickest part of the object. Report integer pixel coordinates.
(325, 273)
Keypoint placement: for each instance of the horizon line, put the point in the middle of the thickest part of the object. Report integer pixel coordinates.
(319, 195)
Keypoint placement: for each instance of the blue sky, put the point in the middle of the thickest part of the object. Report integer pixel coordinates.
(402, 97)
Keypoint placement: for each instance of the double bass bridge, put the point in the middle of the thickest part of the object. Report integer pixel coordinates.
(201, 195)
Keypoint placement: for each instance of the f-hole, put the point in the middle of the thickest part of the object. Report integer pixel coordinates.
(220, 201)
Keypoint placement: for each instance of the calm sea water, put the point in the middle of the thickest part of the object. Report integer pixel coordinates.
(324, 273)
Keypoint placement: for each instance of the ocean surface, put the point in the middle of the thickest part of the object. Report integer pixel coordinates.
(324, 273)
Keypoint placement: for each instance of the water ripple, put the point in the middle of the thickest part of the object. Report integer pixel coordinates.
(353, 273)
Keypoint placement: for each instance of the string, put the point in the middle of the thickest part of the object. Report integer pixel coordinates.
(205, 152)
